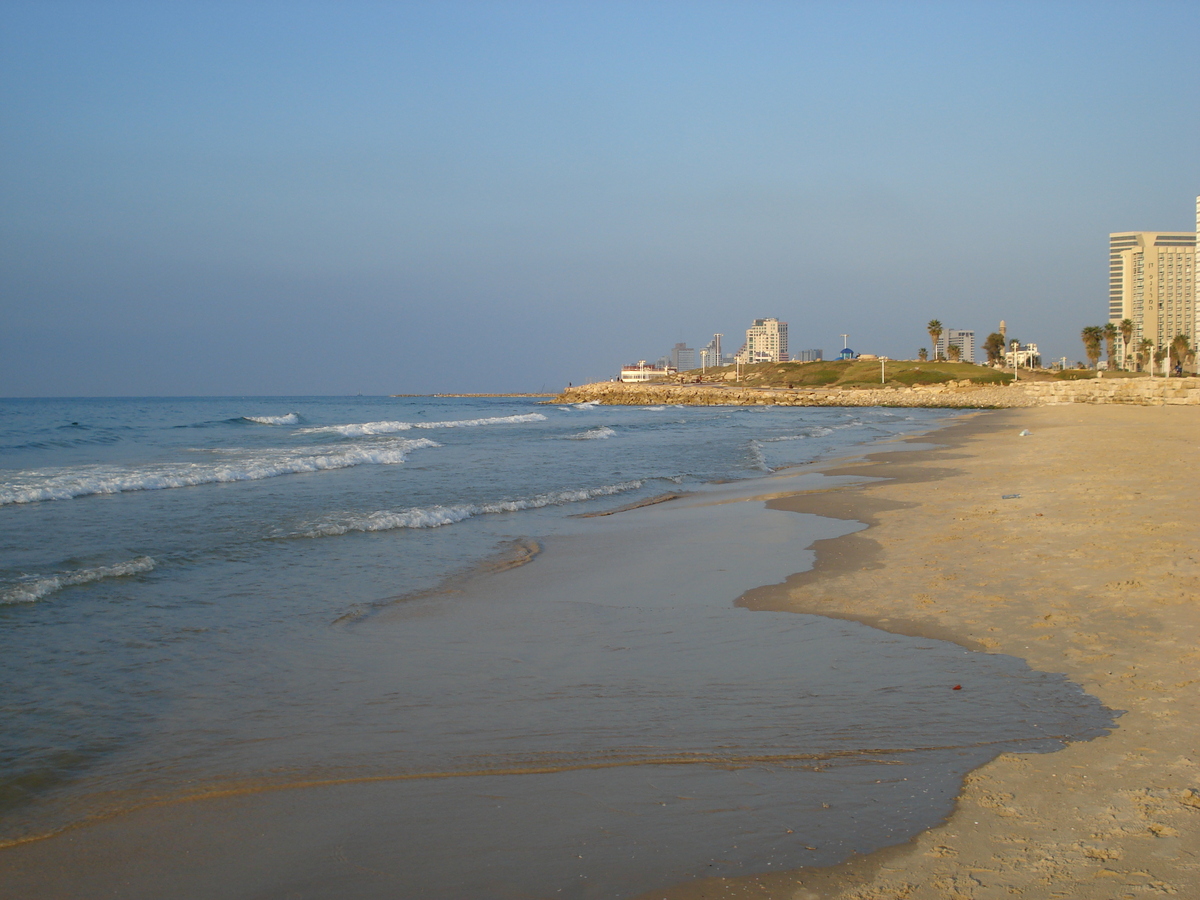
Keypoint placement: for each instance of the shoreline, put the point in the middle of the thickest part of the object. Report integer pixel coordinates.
(222, 822)
(1091, 571)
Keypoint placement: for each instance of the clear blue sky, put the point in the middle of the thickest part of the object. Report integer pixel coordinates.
(293, 198)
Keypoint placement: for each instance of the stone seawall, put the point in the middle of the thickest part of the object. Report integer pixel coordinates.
(952, 395)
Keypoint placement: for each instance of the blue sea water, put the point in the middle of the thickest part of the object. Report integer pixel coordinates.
(176, 575)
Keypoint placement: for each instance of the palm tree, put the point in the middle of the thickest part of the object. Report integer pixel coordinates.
(1160, 356)
(922, 354)
(935, 334)
(1143, 352)
(954, 352)
(1182, 347)
(1092, 336)
(1126, 328)
(1110, 340)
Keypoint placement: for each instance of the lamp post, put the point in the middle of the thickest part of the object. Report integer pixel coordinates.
(882, 370)
(1016, 367)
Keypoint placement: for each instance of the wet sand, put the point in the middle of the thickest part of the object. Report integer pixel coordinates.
(1076, 548)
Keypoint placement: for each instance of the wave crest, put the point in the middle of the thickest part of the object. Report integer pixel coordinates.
(33, 589)
(593, 434)
(289, 419)
(91, 480)
(364, 429)
(436, 516)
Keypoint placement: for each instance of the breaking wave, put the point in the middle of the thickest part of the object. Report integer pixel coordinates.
(814, 431)
(593, 434)
(757, 459)
(33, 589)
(289, 419)
(369, 428)
(35, 486)
(436, 516)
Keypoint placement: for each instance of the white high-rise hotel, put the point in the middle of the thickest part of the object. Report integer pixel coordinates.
(1152, 282)
(766, 341)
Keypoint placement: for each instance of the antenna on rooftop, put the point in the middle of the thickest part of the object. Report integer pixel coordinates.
(845, 341)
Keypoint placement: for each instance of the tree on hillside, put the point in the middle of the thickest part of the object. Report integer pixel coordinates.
(1110, 341)
(935, 334)
(1092, 337)
(954, 352)
(922, 354)
(1126, 328)
(994, 347)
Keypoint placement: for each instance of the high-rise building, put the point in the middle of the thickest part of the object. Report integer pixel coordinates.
(1152, 282)
(710, 355)
(766, 341)
(683, 357)
(963, 340)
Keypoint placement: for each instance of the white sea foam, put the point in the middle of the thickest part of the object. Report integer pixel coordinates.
(436, 516)
(757, 460)
(814, 431)
(289, 419)
(370, 428)
(65, 484)
(652, 408)
(35, 588)
(593, 434)
(590, 404)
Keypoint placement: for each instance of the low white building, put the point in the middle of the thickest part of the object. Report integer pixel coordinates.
(1026, 356)
(643, 371)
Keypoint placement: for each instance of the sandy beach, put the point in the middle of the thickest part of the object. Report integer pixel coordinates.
(1074, 547)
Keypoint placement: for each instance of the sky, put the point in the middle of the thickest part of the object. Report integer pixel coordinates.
(260, 198)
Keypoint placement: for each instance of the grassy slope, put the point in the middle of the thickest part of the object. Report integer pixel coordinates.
(863, 372)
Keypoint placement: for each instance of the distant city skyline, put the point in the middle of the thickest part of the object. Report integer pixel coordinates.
(277, 198)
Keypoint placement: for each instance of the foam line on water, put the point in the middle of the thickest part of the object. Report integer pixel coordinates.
(33, 588)
(364, 429)
(67, 484)
(437, 516)
(289, 419)
(593, 434)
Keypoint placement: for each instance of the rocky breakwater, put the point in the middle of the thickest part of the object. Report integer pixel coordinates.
(1134, 391)
(952, 395)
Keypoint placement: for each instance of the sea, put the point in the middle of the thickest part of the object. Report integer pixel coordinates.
(425, 629)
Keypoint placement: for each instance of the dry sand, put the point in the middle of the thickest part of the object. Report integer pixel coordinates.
(1091, 571)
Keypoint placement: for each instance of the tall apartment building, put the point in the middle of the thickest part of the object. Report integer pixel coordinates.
(963, 340)
(710, 354)
(766, 341)
(683, 357)
(1152, 282)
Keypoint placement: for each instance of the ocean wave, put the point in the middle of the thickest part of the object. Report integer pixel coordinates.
(289, 419)
(35, 486)
(593, 434)
(35, 588)
(757, 459)
(436, 516)
(812, 432)
(652, 408)
(371, 428)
